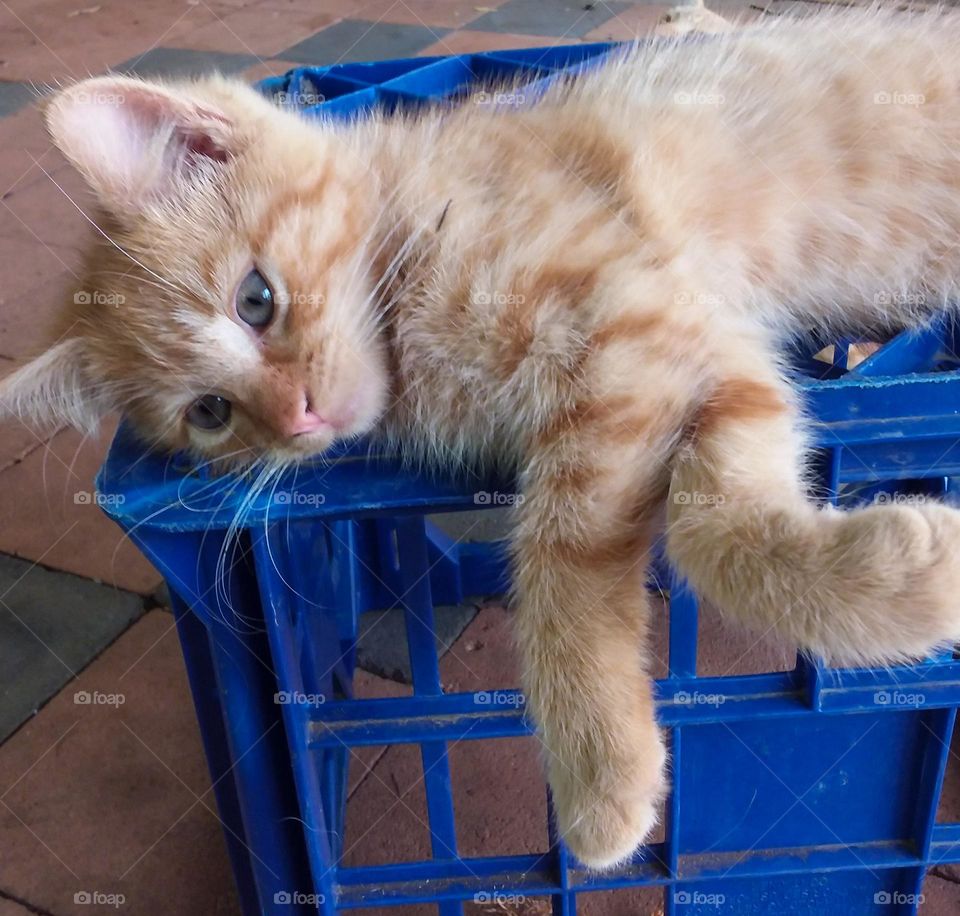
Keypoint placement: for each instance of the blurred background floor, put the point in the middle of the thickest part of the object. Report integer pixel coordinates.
(104, 790)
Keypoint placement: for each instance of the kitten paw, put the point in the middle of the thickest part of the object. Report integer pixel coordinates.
(608, 831)
(605, 818)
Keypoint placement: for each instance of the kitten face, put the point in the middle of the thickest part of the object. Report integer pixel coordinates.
(230, 311)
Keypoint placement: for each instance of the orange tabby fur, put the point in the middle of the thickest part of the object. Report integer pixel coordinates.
(590, 290)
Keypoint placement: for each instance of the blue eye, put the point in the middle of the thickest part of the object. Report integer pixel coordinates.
(210, 412)
(255, 300)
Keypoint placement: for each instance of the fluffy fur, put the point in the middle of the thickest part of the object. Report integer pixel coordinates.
(591, 290)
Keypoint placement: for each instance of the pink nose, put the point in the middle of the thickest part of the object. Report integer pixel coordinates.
(302, 419)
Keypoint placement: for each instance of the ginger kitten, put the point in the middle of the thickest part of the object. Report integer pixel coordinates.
(591, 290)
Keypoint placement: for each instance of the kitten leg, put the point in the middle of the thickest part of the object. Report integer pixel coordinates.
(876, 584)
(580, 561)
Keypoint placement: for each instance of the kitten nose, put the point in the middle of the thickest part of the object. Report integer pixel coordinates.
(302, 419)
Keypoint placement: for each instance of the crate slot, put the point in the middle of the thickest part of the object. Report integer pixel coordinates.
(377, 72)
(449, 78)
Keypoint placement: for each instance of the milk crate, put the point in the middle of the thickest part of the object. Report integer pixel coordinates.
(807, 791)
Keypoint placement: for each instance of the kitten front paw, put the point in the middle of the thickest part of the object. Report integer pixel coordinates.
(605, 819)
(608, 831)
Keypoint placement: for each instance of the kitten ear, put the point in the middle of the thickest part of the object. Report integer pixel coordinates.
(132, 140)
(52, 390)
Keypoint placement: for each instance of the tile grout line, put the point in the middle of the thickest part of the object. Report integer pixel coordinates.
(148, 598)
(386, 748)
(147, 604)
(23, 456)
(26, 904)
(941, 872)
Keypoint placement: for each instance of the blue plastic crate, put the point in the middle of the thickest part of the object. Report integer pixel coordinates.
(807, 791)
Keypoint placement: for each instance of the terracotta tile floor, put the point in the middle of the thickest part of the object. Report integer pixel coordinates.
(115, 799)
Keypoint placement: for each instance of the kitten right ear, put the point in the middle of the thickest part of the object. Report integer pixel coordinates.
(132, 140)
(53, 390)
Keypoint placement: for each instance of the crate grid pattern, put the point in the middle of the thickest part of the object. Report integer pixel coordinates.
(792, 792)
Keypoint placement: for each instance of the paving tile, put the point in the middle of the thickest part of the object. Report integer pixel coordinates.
(940, 897)
(28, 319)
(20, 168)
(562, 19)
(468, 41)
(51, 626)
(368, 686)
(102, 796)
(12, 908)
(744, 11)
(25, 132)
(386, 818)
(57, 209)
(631, 901)
(169, 62)
(38, 263)
(382, 646)
(16, 439)
(633, 22)
(57, 40)
(447, 13)
(24, 53)
(725, 647)
(34, 278)
(26, 154)
(14, 96)
(339, 9)
(481, 525)
(359, 40)
(47, 514)
(258, 31)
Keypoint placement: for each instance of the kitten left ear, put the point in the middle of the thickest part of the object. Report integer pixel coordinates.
(53, 390)
(132, 140)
